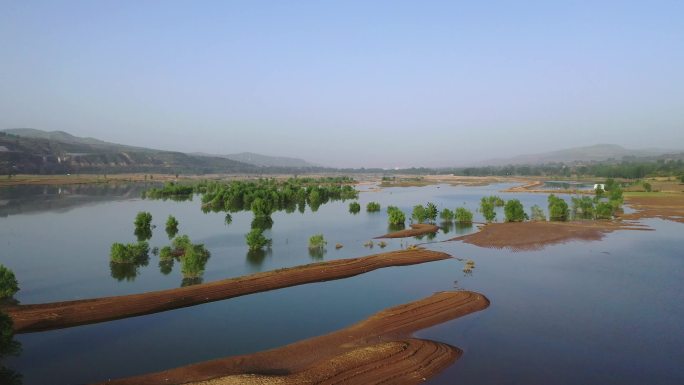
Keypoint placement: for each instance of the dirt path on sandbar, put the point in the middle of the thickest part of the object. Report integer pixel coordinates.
(30, 318)
(415, 230)
(537, 235)
(375, 350)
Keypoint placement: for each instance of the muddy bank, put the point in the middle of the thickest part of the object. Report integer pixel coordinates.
(537, 235)
(414, 231)
(374, 350)
(668, 206)
(30, 318)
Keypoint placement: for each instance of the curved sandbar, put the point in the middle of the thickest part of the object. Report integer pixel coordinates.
(31, 318)
(374, 350)
(667, 206)
(415, 230)
(537, 235)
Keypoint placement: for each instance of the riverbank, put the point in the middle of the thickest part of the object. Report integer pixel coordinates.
(31, 318)
(375, 350)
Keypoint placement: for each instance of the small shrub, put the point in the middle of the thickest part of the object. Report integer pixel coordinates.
(129, 253)
(447, 215)
(487, 209)
(558, 209)
(463, 215)
(256, 239)
(372, 207)
(317, 242)
(419, 213)
(354, 207)
(171, 226)
(537, 213)
(647, 186)
(395, 216)
(8, 282)
(431, 211)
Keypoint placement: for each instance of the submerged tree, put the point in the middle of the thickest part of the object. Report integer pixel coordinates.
(537, 214)
(143, 226)
(317, 242)
(171, 226)
(487, 209)
(395, 216)
(463, 216)
(419, 213)
(446, 215)
(256, 239)
(558, 209)
(129, 253)
(514, 211)
(354, 207)
(372, 207)
(8, 282)
(431, 211)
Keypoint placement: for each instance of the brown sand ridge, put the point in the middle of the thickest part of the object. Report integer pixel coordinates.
(375, 350)
(537, 235)
(664, 206)
(415, 230)
(29, 318)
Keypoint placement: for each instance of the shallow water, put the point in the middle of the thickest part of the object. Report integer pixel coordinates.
(596, 312)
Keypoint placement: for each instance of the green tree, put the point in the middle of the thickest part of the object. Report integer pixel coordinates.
(143, 226)
(537, 213)
(354, 207)
(446, 215)
(132, 253)
(558, 209)
(256, 239)
(317, 241)
(604, 210)
(419, 213)
(514, 211)
(395, 216)
(431, 211)
(463, 215)
(8, 282)
(647, 186)
(583, 207)
(171, 226)
(487, 209)
(372, 207)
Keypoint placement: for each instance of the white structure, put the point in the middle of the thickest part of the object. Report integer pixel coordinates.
(600, 186)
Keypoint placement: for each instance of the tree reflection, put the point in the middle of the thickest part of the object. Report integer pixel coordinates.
(317, 253)
(256, 258)
(8, 347)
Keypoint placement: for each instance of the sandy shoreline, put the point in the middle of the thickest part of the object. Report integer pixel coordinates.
(415, 230)
(374, 350)
(31, 318)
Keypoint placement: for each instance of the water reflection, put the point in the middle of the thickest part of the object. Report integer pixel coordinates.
(8, 347)
(262, 222)
(317, 253)
(446, 226)
(395, 227)
(166, 265)
(463, 228)
(127, 271)
(16, 200)
(256, 258)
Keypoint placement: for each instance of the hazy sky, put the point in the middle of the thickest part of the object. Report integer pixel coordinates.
(348, 83)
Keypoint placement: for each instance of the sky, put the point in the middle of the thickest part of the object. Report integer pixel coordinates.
(348, 83)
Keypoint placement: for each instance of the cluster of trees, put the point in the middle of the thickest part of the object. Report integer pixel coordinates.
(129, 253)
(262, 197)
(193, 258)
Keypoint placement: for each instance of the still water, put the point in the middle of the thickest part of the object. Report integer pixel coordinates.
(590, 313)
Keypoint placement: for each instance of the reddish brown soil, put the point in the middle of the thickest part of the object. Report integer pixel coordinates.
(537, 235)
(29, 318)
(376, 350)
(666, 206)
(415, 230)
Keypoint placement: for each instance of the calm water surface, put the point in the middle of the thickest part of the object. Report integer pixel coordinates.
(587, 313)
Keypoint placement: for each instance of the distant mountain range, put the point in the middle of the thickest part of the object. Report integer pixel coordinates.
(27, 150)
(265, 160)
(595, 153)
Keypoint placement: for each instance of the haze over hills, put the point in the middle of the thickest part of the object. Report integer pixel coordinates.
(595, 153)
(265, 160)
